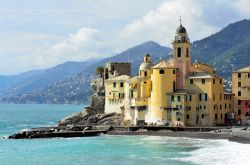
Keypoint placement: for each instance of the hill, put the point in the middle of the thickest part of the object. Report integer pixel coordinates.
(33, 81)
(225, 50)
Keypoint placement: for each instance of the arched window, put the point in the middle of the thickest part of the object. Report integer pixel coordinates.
(179, 52)
(187, 52)
(145, 73)
(114, 84)
(161, 71)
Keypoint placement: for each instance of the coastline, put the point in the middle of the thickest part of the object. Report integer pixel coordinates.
(187, 134)
(238, 134)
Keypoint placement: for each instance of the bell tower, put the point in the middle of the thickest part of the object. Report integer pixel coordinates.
(181, 55)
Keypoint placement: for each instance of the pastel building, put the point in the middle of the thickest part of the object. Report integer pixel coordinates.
(172, 92)
(241, 89)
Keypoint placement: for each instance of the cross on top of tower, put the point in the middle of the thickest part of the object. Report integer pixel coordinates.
(180, 19)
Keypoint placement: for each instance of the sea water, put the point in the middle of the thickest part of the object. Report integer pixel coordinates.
(105, 149)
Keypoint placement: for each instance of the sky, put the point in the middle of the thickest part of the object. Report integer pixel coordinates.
(41, 34)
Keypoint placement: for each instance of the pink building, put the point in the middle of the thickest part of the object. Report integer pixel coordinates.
(245, 111)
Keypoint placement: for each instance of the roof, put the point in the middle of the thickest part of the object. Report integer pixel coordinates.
(201, 75)
(145, 66)
(163, 64)
(181, 29)
(246, 69)
(122, 77)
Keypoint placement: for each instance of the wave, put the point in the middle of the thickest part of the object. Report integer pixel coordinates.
(218, 152)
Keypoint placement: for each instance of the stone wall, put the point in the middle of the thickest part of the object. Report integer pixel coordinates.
(98, 103)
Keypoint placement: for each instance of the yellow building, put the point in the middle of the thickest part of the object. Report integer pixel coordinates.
(173, 92)
(241, 90)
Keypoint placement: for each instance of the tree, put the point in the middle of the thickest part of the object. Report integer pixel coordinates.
(100, 71)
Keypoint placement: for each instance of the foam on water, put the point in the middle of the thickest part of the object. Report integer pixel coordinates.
(218, 152)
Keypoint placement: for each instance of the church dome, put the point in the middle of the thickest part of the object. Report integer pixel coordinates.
(181, 29)
(145, 66)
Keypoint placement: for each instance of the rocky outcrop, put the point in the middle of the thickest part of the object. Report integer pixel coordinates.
(91, 117)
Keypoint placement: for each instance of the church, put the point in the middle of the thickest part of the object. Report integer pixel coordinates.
(172, 92)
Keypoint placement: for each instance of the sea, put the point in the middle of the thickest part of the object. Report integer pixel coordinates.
(104, 149)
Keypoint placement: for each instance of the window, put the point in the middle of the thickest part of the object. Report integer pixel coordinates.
(132, 94)
(213, 81)
(114, 84)
(187, 117)
(239, 101)
(174, 86)
(180, 106)
(161, 71)
(191, 81)
(216, 116)
(205, 107)
(172, 98)
(220, 106)
(202, 116)
(229, 106)
(225, 105)
(239, 75)
(121, 95)
(203, 97)
(239, 112)
(121, 84)
(248, 75)
(187, 52)
(239, 84)
(239, 93)
(145, 82)
(203, 81)
(179, 52)
(145, 74)
(179, 98)
(189, 97)
(220, 81)
(173, 71)
(221, 116)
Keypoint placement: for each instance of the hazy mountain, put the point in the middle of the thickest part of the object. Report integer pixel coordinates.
(76, 89)
(7, 82)
(228, 48)
(33, 81)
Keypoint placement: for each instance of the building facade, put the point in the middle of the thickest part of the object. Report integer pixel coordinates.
(173, 92)
(241, 89)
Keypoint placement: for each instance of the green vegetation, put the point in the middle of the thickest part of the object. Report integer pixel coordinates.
(226, 50)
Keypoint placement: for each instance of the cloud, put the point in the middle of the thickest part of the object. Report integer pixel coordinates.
(79, 46)
(40, 35)
(201, 19)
